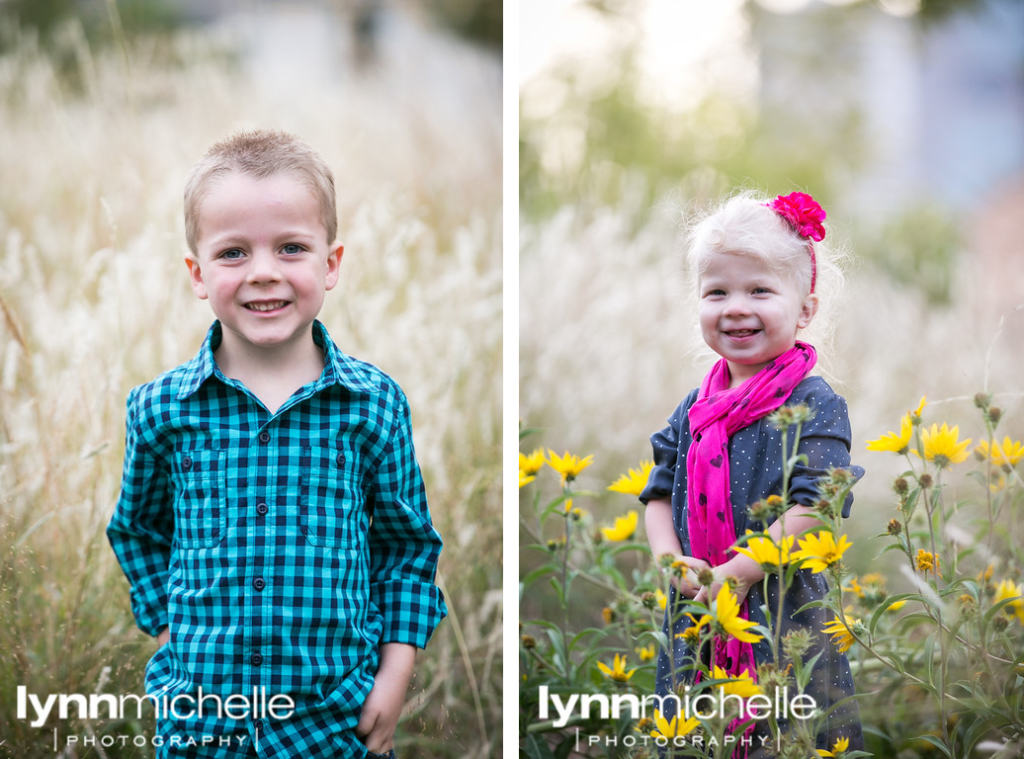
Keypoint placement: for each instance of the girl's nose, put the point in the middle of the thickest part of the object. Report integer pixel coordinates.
(736, 306)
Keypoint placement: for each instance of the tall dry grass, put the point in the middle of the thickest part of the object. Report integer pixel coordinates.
(608, 346)
(94, 299)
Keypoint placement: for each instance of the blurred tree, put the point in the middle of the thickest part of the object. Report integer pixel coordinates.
(477, 20)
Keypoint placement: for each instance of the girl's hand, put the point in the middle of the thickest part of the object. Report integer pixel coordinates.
(688, 584)
(744, 571)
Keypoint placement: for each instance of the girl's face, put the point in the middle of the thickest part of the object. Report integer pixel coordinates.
(750, 315)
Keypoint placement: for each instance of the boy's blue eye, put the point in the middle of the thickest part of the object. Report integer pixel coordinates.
(291, 249)
(232, 254)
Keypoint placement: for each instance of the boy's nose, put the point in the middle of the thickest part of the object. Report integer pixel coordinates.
(263, 267)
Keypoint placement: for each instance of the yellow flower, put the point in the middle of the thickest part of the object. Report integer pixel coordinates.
(856, 588)
(942, 446)
(742, 686)
(766, 552)
(1007, 589)
(1007, 454)
(897, 605)
(532, 463)
(568, 466)
(927, 562)
(646, 653)
(674, 728)
(623, 529)
(820, 550)
(525, 479)
(915, 415)
(634, 482)
(841, 635)
(692, 634)
(727, 615)
(662, 598)
(890, 441)
(617, 671)
(841, 744)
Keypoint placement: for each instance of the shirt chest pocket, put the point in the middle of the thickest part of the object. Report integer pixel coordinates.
(199, 509)
(332, 502)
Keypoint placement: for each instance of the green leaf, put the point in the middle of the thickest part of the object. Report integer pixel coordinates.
(937, 742)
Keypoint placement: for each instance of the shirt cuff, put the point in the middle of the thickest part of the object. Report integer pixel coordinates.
(149, 604)
(411, 610)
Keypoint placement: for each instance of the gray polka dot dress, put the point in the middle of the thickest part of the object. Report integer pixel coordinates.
(755, 461)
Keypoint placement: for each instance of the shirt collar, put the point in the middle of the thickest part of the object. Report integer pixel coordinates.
(338, 368)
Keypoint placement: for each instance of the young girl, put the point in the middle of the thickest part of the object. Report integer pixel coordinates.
(757, 264)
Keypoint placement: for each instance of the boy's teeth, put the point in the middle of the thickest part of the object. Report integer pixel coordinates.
(266, 306)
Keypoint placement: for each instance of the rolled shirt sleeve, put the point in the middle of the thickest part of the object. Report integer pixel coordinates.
(825, 440)
(404, 546)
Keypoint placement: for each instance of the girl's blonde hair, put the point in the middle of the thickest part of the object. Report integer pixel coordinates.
(744, 224)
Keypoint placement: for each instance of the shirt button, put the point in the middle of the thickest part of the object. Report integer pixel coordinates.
(256, 659)
(259, 583)
(262, 509)
(264, 437)
(186, 463)
(340, 458)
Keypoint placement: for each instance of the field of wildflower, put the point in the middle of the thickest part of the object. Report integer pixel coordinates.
(938, 663)
(94, 299)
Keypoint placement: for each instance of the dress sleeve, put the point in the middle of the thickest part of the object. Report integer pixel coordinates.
(665, 445)
(142, 527)
(825, 441)
(404, 546)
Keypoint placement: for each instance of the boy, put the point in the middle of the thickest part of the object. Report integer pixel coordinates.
(272, 521)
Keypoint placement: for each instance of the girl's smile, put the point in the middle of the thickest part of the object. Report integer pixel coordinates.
(749, 314)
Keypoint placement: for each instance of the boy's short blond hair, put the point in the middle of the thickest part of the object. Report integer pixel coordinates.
(260, 153)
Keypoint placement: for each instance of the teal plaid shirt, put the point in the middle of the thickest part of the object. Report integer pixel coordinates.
(281, 550)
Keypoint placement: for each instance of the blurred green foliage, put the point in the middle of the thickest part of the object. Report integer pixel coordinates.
(477, 20)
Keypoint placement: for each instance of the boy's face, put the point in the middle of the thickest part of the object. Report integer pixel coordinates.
(262, 260)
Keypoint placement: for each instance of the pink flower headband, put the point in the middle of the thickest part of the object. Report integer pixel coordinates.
(805, 216)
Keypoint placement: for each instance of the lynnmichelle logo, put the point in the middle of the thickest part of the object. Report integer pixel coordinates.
(704, 705)
(86, 707)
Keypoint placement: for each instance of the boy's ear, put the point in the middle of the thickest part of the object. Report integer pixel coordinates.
(195, 274)
(807, 311)
(334, 254)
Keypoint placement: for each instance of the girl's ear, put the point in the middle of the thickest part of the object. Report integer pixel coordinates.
(807, 311)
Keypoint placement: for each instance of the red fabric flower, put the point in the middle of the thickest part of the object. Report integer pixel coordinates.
(802, 212)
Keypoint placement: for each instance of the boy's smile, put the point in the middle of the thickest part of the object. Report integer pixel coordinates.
(749, 314)
(263, 261)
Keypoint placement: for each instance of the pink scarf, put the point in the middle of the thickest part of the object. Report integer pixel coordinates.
(717, 414)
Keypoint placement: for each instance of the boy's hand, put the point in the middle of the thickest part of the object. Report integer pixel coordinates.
(379, 718)
(163, 636)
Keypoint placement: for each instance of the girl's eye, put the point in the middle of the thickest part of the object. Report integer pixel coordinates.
(291, 249)
(714, 293)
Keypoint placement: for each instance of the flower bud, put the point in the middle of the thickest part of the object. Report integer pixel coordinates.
(994, 415)
(982, 400)
(796, 642)
(649, 600)
(1000, 623)
(759, 511)
(528, 641)
(900, 486)
(608, 613)
(895, 527)
(666, 560)
(706, 577)
(925, 480)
